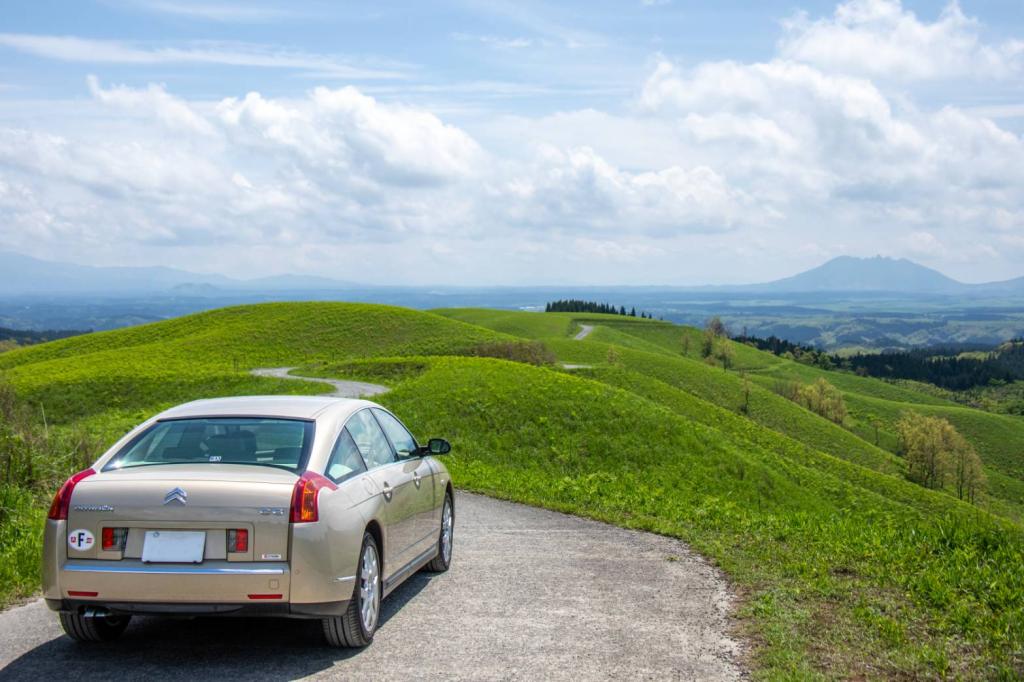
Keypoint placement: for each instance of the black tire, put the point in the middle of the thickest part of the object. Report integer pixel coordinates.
(94, 628)
(348, 630)
(441, 562)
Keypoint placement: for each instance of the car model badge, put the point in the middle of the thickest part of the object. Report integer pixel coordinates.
(176, 495)
(93, 508)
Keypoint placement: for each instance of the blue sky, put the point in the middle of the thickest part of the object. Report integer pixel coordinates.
(616, 142)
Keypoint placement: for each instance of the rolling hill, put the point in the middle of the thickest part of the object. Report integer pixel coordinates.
(845, 568)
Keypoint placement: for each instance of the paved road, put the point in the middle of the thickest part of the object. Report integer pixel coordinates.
(531, 594)
(342, 389)
(584, 332)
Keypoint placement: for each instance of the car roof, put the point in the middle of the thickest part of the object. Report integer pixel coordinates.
(284, 406)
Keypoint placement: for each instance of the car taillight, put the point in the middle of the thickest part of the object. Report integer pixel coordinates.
(113, 539)
(238, 540)
(62, 500)
(305, 506)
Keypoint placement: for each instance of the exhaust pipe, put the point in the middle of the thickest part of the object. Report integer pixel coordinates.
(96, 612)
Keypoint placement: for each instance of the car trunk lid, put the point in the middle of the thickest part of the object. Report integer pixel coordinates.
(207, 497)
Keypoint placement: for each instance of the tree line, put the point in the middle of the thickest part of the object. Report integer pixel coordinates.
(24, 337)
(575, 305)
(943, 367)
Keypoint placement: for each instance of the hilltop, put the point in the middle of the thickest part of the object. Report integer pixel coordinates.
(846, 568)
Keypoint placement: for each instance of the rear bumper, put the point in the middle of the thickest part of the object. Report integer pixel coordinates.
(194, 610)
(212, 582)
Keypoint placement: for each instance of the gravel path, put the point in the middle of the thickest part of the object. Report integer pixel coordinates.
(342, 389)
(531, 595)
(584, 332)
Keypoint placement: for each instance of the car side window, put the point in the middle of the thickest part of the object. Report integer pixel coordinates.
(399, 436)
(345, 461)
(370, 439)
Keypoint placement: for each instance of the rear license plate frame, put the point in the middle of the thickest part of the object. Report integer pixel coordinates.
(174, 546)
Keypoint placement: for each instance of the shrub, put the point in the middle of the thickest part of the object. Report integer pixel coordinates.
(528, 352)
(821, 397)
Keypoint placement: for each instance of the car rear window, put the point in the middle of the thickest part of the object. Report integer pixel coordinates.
(282, 443)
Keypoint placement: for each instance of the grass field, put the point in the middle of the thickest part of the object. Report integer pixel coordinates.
(844, 568)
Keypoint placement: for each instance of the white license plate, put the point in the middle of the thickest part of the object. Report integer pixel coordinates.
(174, 546)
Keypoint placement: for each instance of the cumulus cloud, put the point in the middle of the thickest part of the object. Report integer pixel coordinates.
(335, 164)
(882, 39)
(578, 189)
(808, 137)
(154, 100)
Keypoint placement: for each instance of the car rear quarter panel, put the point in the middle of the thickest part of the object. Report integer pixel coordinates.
(325, 554)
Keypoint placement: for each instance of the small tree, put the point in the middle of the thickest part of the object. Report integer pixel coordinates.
(724, 352)
(936, 452)
(823, 399)
(613, 357)
(716, 327)
(968, 476)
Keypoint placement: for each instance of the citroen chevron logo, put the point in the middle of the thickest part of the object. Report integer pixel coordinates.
(176, 495)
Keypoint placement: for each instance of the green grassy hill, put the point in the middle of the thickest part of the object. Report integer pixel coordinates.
(844, 568)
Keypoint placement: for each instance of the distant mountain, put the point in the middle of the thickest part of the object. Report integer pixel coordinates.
(293, 283)
(1010, 286)
(848, 273)
(20, 274)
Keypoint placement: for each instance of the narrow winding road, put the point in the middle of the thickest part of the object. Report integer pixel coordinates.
(584, 332)
(342, 389)
(532, 594)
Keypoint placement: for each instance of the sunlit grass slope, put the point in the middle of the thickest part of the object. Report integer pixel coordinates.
(671, 353)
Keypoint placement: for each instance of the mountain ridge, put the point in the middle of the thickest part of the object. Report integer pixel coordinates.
(26, 275)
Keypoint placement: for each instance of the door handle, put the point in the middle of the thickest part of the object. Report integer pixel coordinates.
(416, 479)
(387, 492)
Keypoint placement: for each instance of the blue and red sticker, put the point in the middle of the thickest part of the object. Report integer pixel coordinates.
(81, 539)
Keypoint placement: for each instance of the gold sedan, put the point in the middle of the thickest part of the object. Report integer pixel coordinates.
(287, 506)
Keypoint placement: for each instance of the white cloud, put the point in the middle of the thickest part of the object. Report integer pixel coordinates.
(578, 190)
(234, 13)
(154, 100)
(334, 165)
(882, 39)
(812, 137)
(924, 243)
(499, 42)
(75, 49)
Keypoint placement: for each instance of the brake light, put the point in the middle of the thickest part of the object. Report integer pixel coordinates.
(62, 500)
(113, 539)
(238, 540)
(305, 507)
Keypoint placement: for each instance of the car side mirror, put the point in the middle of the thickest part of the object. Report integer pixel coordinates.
(438, 446)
